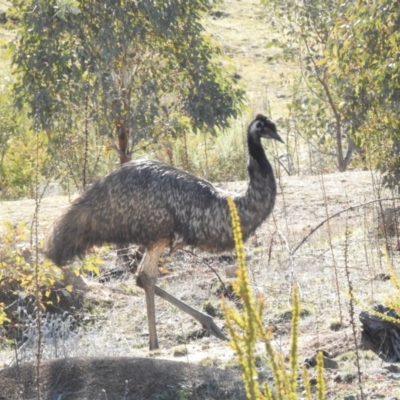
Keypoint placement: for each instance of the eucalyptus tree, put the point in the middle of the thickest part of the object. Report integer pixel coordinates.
(307, 34)
(368, 56)
(131, 70)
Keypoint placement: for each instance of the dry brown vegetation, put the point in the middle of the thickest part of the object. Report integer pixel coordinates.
(116, 308)
(114, 312)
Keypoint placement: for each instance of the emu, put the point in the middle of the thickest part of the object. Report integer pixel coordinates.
(158, 206)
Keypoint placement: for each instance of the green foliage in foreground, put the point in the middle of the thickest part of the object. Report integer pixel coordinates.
(24, 272)
(246, 327)
(18, 266)
(392, 300)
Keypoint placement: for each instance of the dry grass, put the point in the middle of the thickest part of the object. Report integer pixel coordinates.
(115, 310)
(244, 31)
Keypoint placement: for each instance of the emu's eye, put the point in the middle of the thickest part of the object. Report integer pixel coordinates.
(259, 125)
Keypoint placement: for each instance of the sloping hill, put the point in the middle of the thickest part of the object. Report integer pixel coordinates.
(243, 29)
(114, 313)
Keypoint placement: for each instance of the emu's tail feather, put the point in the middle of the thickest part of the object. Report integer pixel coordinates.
(70, 236)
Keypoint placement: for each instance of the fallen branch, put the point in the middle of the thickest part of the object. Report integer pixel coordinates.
(209, 266)
(337, 214)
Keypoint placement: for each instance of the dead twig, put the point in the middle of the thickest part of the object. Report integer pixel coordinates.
(337, 214)
(209, 266)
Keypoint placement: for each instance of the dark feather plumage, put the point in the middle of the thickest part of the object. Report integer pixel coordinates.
(155, 205)
(145, 202)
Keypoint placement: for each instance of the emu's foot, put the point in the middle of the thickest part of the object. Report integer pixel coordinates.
(204, 319)
(213, 329)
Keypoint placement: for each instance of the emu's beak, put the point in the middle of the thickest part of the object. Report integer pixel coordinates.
(272, 134)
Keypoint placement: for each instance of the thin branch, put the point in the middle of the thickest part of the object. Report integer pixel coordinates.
(314, 146)
(282, 165)
(322, 81)
(209, 266)
(338, 213)
(351, 306)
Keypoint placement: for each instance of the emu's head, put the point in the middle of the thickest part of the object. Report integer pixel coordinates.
(262, 127)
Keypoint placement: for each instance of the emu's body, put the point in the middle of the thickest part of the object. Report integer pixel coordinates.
(158, 206)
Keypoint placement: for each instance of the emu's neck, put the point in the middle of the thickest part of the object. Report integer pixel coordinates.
(258, 162)
(258, 201)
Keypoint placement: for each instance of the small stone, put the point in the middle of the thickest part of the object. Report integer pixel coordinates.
(350, 397)
(382, 277)
(330, 364)
(338, 378)
(313, 381)
(395, 377)
(377, 396)
(392, 368)
(348, 378)
(336, 326)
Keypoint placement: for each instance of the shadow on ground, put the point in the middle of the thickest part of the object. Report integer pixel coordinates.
(120, 378)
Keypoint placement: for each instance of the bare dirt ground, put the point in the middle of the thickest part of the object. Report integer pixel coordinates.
(112, 345)
(116, 308)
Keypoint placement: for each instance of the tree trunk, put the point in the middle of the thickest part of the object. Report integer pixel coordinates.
(123, 142)
(339, 147)
(344, 162)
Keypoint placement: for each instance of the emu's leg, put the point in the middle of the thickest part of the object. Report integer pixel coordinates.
(204, 319)
(147, 278)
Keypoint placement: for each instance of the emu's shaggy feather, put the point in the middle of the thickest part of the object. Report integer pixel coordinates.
(144, 202)
(155, 205)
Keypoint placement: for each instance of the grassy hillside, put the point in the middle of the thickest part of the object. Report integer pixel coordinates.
(288, 249)
(243, 29)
